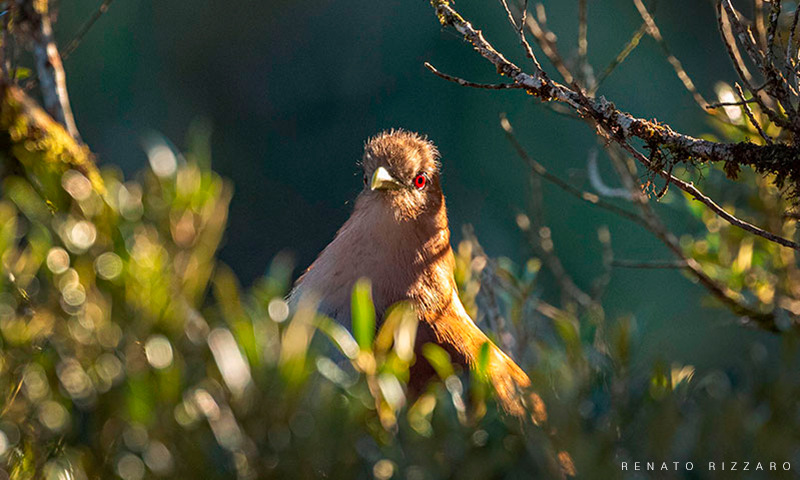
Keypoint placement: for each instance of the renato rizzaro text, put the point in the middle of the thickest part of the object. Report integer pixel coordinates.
(728, 466)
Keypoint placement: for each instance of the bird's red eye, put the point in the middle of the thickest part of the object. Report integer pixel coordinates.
(420, 181)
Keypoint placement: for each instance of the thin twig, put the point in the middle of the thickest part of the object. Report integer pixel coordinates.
(596, 180)
(540, 170)
(790, 41)
(5, 61)
(621, 56)
(726, 32)
(790, 65)
(649, 264)
(547, 42)
(50, 71)
(13, 55)
(758, 23)
(712, 106)
(621, 127)
(540, 238)
(12, 398)
(520, 29)
(77, 38)
(728, 38)
(711, 204)
(601, 283)
(655, 32)
(488, 294)
(750, 115)
(81, 33)
(743, 33)
(774, 14)
(776, 85)
(562, 110)
(733, 300)
(467, 83)
(583, 43)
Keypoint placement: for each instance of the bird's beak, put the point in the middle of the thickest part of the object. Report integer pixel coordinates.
(383, 180)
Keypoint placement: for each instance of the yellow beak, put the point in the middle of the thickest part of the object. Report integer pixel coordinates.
(383, 180)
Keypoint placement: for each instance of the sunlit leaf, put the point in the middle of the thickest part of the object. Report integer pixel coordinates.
(439, 360)
(482, 361)
(363, 313)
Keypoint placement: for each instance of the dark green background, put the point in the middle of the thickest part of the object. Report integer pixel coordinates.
(294, 88)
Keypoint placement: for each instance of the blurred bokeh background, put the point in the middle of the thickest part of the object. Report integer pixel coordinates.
(292, 90)
(143, 327)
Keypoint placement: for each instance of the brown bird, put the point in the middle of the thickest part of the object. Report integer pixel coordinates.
(398, 237)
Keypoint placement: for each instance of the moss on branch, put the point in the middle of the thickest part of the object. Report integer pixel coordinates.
(40, 145)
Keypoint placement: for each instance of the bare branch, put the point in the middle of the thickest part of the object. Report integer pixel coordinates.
(601, 283)
(496, 321)
(5, 58)
(743, 33)
(81, 33)
(547, 42)
(597, 181)
(726, 32)
(750, 115)
(467, 83)
(774, 13)
(776, 84)
(707, 201)
(50, 70)
(540, 239)
(621, 127)
(790, 43)
(733, 300)
(77, 39)
(621, 56)
(759, 30)
(540, 170)
(653, 31)
(520, 29)
(649, 264)
(712, 106)
(583, 43)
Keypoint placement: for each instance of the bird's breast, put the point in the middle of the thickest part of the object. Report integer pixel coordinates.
(370, 245)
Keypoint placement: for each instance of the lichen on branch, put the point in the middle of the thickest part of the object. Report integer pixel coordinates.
(777, 159)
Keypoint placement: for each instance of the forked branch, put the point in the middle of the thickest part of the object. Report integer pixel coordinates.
(777, 158)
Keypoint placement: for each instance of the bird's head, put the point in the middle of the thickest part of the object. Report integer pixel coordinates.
(401, 168)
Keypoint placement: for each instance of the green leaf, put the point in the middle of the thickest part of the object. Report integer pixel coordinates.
(439, 359)
(23, 73)
(482, 362)
(339, 335)
(363, 312)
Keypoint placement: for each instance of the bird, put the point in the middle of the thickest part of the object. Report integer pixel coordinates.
(399, 238)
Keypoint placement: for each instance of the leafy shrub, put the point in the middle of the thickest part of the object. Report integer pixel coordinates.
(129, 351)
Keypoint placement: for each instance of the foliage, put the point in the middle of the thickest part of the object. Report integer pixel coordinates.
(129, 351)
(747, 265)
(119, 362)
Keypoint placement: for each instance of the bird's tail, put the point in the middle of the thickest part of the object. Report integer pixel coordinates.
(455, 329)
(512, 386)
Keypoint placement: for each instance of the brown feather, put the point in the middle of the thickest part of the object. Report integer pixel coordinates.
(400, 239)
